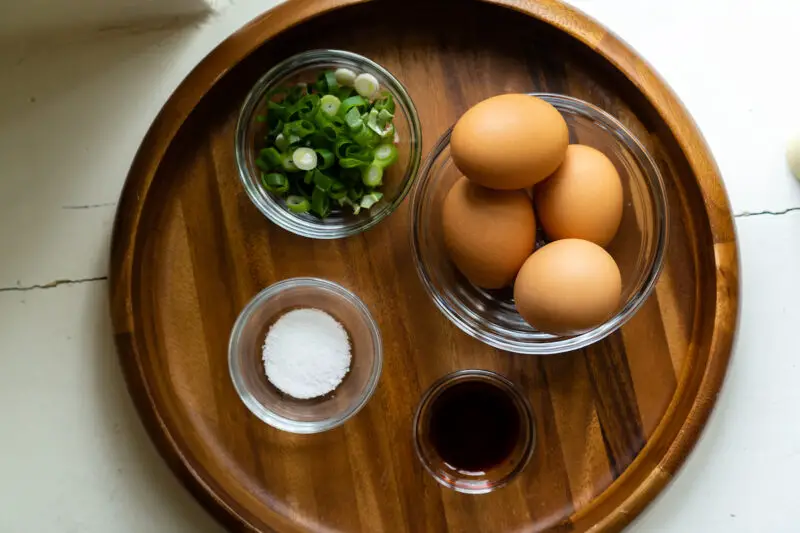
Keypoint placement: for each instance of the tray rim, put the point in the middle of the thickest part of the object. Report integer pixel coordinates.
(567, 19)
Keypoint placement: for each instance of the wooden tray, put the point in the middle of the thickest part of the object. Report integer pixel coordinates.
(614, 421)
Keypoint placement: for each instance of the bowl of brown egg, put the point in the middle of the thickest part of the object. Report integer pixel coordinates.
(539, 223)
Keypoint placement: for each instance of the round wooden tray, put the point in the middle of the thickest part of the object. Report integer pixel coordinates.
(614, 421)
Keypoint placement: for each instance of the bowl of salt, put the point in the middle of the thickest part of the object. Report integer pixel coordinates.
(305, 355)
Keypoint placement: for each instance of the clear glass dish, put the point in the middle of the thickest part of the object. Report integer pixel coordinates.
(638, 247)
(397, 180)
(473, 482)
(246, 365)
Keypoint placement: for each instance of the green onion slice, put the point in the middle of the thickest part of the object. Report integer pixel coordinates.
(366, 85)
(345, 77)
(325, 158)
(329, 104)
(305, 158)
(320, 203)
(385, 155)
(271, 156)
(337, 191)
(330, 80)
(370, 199)
(282, 142)
(359, 152)
(353, 102)
(301, 128)
(366, 137)
(385, 102)
(275, 182)
(308, 106)
(351, 162)
(297, 204)
(322, 182)
(372, 176)
(287, 163)
(353, 119)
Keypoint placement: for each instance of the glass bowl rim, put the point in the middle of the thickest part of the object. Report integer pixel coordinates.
(267, 205)
(264, 413)
(559, 344)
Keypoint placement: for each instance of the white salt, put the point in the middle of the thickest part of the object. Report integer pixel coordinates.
(306, 353)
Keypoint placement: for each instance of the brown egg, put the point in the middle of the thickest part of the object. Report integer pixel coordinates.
(510, 141)
(582, 199)
(488, 234)
(568, 286)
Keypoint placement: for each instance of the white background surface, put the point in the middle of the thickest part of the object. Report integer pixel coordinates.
(73, 454)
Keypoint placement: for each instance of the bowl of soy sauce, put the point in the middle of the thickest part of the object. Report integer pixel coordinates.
(473, 431)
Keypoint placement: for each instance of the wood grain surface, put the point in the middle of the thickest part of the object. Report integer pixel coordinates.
(614, 421)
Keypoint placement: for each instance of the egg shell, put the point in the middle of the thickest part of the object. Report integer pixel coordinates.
(582, 199)
(488, 234)
(568, 286)
(511, 141)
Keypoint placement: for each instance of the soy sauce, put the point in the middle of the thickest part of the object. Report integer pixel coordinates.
(474, 426)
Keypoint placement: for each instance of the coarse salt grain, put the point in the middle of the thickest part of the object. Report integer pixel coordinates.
(306, 353)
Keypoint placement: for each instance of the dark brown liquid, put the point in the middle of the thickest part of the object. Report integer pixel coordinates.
(474, 426)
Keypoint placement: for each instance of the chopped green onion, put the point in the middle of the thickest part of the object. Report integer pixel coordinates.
(371, 199)
(274, 109)
(322, 182)
(386, 102)
(337, 191)
(327, 158)
(301, 128)
(356, 192)
(271, 156)
(320, 203)
(366, 85)
(340, 148)
(328, 145)
(345, 77)
(287, 163)
(282, 142)
(330, 104)
(260, 163)
(308, 106)
(297, 204)
(352, 102)
(353, 119)
(372, 176)
(275, 182)
(351, 162)
(366, 137)
(305, 158)
(384, 118)
(359, 152)
(389, 133)
(385, 155)
(330, 81)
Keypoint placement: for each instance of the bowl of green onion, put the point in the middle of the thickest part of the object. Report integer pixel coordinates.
(328, 144)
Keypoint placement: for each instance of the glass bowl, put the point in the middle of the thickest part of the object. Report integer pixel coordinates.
(397, 179)
(247, 367)
(489, 479)
(638, 247)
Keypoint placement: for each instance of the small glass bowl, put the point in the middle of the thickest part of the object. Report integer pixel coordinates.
(397, 179)
(246, 364)
(473, 482)
(638, 247)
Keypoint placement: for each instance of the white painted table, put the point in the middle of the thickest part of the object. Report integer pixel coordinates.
(73, 454)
